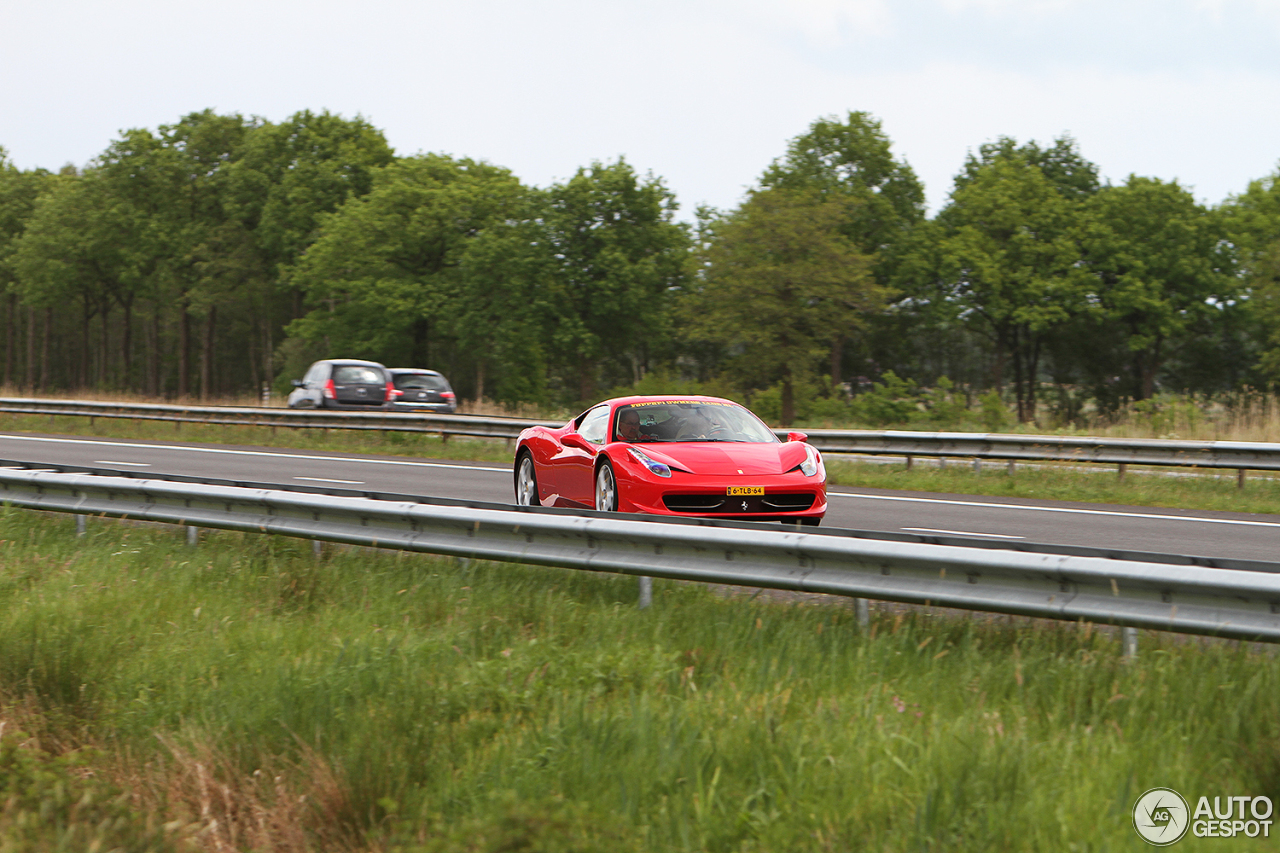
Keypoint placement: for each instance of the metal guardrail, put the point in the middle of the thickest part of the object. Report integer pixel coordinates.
(387, 421)
(1238, 455)
(1232, 603)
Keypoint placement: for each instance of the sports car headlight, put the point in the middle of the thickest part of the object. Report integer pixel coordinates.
(809, 466)
(653, 466)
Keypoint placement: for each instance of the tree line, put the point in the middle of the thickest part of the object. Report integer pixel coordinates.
(211, 256)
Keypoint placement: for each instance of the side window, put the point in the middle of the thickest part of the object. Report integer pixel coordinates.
(594, 425)
(315, 374)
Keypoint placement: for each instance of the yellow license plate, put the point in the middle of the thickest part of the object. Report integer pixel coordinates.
(738, 491)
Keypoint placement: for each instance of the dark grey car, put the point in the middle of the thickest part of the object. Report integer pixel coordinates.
(342, 383)
(422, 391)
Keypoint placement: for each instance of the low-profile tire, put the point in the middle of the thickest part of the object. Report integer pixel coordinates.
(526, 481)
(606, 488)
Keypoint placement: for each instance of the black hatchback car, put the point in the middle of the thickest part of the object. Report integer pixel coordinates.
(419, 390)
(342, 383)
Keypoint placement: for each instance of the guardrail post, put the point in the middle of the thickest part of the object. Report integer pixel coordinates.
(1012, 467)
(862, 608)
(193, 535)
(317, 547)
(646, 591)
(977, 464)
(942, 462)
(1129, 641)
(1120, 469)
(1240, 478)
(80, 526)
(908, 461)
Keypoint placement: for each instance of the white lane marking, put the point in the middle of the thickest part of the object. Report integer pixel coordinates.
(961, 533)
(330, 480)
(113, 462)
(1069, 510)
(194, 449)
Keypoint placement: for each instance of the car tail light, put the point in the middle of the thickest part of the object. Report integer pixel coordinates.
(392, 393)
(448, 395)
(330, 391)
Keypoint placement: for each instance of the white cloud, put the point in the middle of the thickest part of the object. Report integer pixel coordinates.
(704, 94)
(827, 22)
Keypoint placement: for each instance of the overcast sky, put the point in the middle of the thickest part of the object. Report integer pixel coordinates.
(703, 94)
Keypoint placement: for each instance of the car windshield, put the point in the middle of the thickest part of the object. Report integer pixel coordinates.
(689, 420)
(357, 375)
(420, 382)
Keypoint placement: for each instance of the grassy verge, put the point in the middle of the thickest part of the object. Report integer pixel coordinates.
(1068, 482)
(246, 695)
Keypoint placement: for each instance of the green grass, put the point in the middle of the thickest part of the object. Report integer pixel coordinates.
(264, 699)
(1069, 482)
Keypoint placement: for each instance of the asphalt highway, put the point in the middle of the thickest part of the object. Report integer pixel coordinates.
(1189, 532)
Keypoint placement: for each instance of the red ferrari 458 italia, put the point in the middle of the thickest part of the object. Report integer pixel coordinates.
(684, 456)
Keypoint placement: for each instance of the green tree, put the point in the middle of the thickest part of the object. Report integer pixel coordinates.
(292, 173)
(852, 160)
(1006, 254)
(383, 278)
(1252, 221)
(76, 250)
(1155, 265)
(617, 253)
(779, 280)
(18, 192)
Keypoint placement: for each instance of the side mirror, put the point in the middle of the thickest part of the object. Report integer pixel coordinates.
(297, 383)
(797, 436)
(575, 440)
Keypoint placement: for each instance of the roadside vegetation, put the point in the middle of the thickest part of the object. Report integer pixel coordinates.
(221, 254)
(245, 694)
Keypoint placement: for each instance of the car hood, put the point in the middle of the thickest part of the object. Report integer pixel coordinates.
(727, 457)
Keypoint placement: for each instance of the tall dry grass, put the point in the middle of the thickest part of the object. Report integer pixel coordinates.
(252, 696)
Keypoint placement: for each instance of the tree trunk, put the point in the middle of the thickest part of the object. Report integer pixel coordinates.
(1018, 390)
(153, 359)
(479, 380)
(837, 361)
(31, 349)
(11, 331)
(184, 353)
(421, 347)
(997, 370)
(1033, 374)
(1151, 362)
(105, 345)
(586, 381)
(788, 401)
(44, 349)
(268, 350)
(126, 345)
(206, 355)
(86, 355)
(253, 366)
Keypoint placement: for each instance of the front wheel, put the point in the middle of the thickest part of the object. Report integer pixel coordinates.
(606, 489)
(526, 482)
